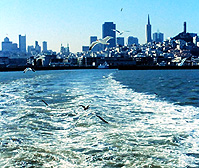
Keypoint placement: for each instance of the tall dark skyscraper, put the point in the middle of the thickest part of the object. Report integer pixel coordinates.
(45, 46)
(148, 31)
(22, 43)
(107, 31)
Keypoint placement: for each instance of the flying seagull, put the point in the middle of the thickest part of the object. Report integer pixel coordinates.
(102, 41)
(101, 118)
(119, 32)
(85, 107)
(28, 69)
(45, 102)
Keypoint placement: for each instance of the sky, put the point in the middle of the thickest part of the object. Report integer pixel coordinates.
(74, 21)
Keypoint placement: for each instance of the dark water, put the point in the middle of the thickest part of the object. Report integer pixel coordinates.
(152, 118)
(177, 86)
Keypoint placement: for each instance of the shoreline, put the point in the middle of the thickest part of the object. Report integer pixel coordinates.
(6, 69)
(124, 67)
(148, 67)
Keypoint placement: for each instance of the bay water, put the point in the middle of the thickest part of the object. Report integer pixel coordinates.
(152, 118)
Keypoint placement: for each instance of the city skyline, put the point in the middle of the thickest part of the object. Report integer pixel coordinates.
(65, 22)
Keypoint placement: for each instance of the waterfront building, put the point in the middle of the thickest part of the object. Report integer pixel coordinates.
(158, 37)
(120, 41)
(132, 40)
(45, 47)
(22, 43)
(107, 30)
(148, 31)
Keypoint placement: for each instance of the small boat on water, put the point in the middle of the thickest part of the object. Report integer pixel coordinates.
(105, 65)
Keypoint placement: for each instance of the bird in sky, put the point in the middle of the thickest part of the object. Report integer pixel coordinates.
(119, 32)
(28, 69)
(85, 107)
(102, 41)
(121, 9)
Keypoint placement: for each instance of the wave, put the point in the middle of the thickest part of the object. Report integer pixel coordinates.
(142, 130)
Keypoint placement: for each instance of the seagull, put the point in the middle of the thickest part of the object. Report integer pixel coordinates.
(101, 118)
(102, 41)
(119, 32)
(45, 102)
(85, 107)
(28, 69)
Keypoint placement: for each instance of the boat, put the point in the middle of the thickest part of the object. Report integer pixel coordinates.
(105, 65)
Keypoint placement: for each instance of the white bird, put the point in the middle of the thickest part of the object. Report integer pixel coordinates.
(119, 32)
(28, 69)
(102, 41)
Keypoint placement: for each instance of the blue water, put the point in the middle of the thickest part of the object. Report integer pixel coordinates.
(152, 118)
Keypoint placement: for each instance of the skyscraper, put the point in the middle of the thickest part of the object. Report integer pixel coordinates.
(37, 47)
(6, 45)
(120, 41)
(45, 46)
(148, 31)
(85, 48)
(22, 43)
(107, 31)
(158, 37)
(92, 39)
(132, 40)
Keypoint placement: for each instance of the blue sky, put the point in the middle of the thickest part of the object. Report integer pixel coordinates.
(74, 21)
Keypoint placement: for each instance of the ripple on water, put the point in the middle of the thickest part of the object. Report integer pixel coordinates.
(144, 130)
